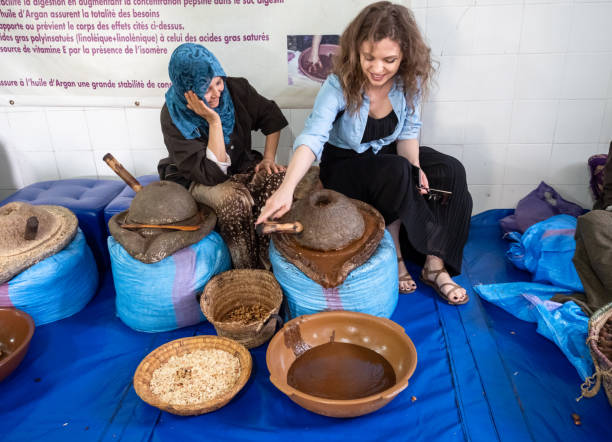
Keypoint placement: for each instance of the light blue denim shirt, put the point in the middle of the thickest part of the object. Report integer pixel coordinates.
(347, 131)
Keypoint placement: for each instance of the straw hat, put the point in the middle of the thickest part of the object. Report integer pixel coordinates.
(161, 203)
(339, 235)
(56, 228)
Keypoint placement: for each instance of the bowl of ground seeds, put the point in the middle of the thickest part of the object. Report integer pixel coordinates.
(243, 305)
(194, 375)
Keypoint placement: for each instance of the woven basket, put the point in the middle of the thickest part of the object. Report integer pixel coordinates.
(243, 287)
(603, 366)
(179, 347)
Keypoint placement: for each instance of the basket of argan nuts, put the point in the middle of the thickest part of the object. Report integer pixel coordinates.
(194, 375)
(243, 305)
(600, 345)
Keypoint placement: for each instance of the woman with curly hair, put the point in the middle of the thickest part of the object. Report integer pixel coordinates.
(364, 129)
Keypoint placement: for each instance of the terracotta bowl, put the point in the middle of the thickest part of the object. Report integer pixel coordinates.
(379, 334)
(16, 330)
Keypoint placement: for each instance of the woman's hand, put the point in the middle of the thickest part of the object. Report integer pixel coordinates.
(269, 166)
(423, 182)
(313, 63)
(280, 201)
(195, 104)
(277, 205)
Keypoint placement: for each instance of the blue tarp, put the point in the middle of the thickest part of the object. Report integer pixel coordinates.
(482, 375)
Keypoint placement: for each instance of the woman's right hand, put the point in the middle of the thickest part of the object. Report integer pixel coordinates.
(277, 205)
(195, 104)
(313, 64)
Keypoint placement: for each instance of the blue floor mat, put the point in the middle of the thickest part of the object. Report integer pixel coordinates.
(543, 382)
(482, 375)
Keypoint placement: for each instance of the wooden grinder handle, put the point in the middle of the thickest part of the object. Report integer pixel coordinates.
(122, 172)
(31, 228)
(266, 228)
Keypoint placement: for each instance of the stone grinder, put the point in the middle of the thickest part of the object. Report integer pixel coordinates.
(339, 235)
(162, 219)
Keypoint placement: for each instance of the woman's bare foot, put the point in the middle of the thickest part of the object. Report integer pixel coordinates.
(406, 283)
(435, 275)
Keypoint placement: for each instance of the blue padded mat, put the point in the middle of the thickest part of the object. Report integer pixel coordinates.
(474, 379)
(75, 384)
(544, 383)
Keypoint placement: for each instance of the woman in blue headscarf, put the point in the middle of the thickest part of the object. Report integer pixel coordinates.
(206, 123)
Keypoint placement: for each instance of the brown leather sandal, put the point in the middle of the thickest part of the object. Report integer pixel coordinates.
(405, 277)
(426, 278)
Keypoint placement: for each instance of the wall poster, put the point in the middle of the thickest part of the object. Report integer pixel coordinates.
(116, 52)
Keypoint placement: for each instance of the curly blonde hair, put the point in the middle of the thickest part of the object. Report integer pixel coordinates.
(376, 22)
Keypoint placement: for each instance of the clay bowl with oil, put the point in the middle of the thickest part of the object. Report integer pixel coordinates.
(381, 335)
(16, 330)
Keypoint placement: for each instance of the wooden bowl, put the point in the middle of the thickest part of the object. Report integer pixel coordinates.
(16, 331)
(379, 334)
(179, 347)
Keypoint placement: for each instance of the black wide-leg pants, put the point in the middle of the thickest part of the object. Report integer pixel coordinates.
(388, 182)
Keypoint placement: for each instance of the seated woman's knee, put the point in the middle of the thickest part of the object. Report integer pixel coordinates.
(453, 168)
(237, 199)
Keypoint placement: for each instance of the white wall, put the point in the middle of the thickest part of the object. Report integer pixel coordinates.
(524, 94)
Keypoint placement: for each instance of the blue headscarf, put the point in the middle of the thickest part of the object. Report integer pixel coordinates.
(192, 67)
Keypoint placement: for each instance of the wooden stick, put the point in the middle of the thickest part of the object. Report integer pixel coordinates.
(31, 228)
(122, 172)
(271, 227)
(158, 226)
(440, 191)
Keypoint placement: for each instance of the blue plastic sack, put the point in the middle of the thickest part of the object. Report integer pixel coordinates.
(162, 296)
(370, 288)
(567, 326)
(509, 296)
(564, 324)
(56, 287)
(546, 250)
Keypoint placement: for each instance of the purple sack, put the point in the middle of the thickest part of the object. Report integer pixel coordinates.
(597, 164)
(538, 205)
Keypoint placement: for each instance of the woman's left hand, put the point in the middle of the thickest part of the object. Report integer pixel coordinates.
(195, 104)
(269, 166)
(424, 182)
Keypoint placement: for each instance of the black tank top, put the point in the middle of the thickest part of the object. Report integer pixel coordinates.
(377, 128)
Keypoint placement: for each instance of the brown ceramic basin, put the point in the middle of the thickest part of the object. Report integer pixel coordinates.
(379, 334)
(326, 51)
(16, 330)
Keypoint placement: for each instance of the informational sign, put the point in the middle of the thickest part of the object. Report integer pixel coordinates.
(116, 52)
